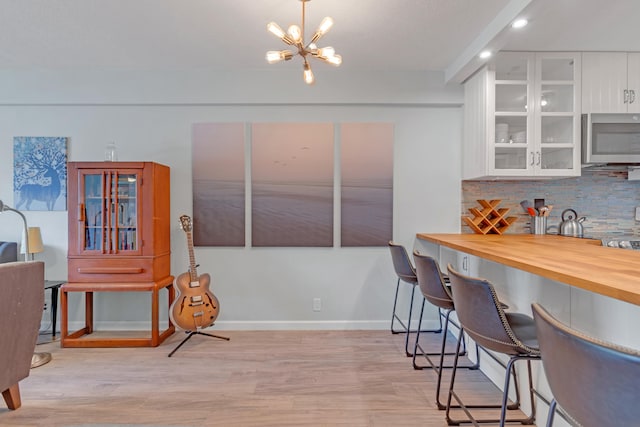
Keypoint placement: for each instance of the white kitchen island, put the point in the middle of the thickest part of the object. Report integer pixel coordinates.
(591, 288)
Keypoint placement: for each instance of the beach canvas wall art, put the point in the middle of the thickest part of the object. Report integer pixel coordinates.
(40, 173)
(218, 184)
(292, 184)
(367, 184)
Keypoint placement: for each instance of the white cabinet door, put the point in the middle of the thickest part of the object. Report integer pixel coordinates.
(523, 111)
(510, 110)
(633, 82)
(606, 82)
(474, 142)
(556, 115)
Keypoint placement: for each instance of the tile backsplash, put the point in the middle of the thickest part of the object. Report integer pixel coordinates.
(605, 196)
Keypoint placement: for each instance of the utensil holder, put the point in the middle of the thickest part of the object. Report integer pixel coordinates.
(538, 225)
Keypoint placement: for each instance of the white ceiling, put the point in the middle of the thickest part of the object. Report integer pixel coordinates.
(369, 34)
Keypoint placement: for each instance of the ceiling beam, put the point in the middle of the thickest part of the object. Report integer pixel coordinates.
(493, 37)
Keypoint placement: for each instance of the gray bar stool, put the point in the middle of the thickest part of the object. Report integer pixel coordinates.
(595, 382)
(482, 317)
(406, 274)
(433, 285)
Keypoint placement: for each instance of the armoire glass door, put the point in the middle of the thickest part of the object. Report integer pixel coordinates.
(109, 213)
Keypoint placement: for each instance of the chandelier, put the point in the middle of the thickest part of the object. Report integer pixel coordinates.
(295, 37)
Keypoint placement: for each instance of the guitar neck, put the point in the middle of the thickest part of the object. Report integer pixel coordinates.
(192, 258)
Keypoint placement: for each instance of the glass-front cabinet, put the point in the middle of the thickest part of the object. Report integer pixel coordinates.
(119, 224)
(109, 214)
(530, 121)
(513, 121)
(558, 117)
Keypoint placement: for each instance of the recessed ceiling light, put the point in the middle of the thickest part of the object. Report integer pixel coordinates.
(519, 23)
(485, 54)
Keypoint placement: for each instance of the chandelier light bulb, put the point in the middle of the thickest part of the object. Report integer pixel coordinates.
(334, 60)
(326, 52)
(275, 29)
(295, 33)
(325, 25)
(274, 56)
(308, 74)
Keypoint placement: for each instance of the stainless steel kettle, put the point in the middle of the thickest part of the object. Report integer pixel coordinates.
(572, 225)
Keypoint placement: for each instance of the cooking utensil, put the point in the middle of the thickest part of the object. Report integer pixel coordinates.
(525, 205)
(532, 211)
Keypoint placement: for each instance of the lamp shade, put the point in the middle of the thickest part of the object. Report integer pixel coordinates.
(35, 241)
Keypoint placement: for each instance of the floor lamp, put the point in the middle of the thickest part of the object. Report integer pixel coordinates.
(38, 359)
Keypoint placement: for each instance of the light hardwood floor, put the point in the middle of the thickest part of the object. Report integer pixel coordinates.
(259, 378)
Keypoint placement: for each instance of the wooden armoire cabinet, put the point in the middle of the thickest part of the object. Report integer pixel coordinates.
(119, 240)
(118, 221)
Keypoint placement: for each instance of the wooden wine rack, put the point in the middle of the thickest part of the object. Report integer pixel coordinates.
(489, 219)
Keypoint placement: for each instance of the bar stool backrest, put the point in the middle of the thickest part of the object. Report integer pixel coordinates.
(595, 382)
(481, 314)
(431, 281)
(402, 264)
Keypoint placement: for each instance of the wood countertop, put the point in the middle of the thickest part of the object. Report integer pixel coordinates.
(582, 263)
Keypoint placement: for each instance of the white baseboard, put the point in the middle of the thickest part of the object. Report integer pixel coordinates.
(257, 325)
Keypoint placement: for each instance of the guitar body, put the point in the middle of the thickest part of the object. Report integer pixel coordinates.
(195, 307)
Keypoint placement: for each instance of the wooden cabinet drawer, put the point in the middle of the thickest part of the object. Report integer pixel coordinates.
(111, 269)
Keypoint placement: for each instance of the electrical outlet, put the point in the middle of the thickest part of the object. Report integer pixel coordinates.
(317, 304)
(638, 213)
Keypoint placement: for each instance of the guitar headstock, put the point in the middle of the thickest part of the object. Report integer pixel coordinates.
(185, 223)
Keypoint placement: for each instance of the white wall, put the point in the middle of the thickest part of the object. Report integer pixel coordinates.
(149, 115)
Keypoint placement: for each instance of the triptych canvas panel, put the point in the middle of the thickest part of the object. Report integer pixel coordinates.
(292, 184)
(218, 184)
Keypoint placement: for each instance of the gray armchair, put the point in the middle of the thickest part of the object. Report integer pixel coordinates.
(21, 302)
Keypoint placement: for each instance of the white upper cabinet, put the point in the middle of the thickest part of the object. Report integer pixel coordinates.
(610, 82)
(522, 117)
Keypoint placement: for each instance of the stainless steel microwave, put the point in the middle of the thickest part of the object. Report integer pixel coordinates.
(611, 138)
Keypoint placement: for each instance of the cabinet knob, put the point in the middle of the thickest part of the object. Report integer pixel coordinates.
(632, 96)
(532, 159)
(81, 212)
(626, 96)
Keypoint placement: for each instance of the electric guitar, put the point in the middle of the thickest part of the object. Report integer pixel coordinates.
(195, 307)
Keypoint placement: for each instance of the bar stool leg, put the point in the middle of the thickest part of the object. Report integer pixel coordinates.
(441, 365)
(407, 327)
(504, 406)
(426, 355)
(552, 413)
(406, 338)
(418, 330)
(394, 316)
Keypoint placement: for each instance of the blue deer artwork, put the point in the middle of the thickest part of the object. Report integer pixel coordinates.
(45, 181)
